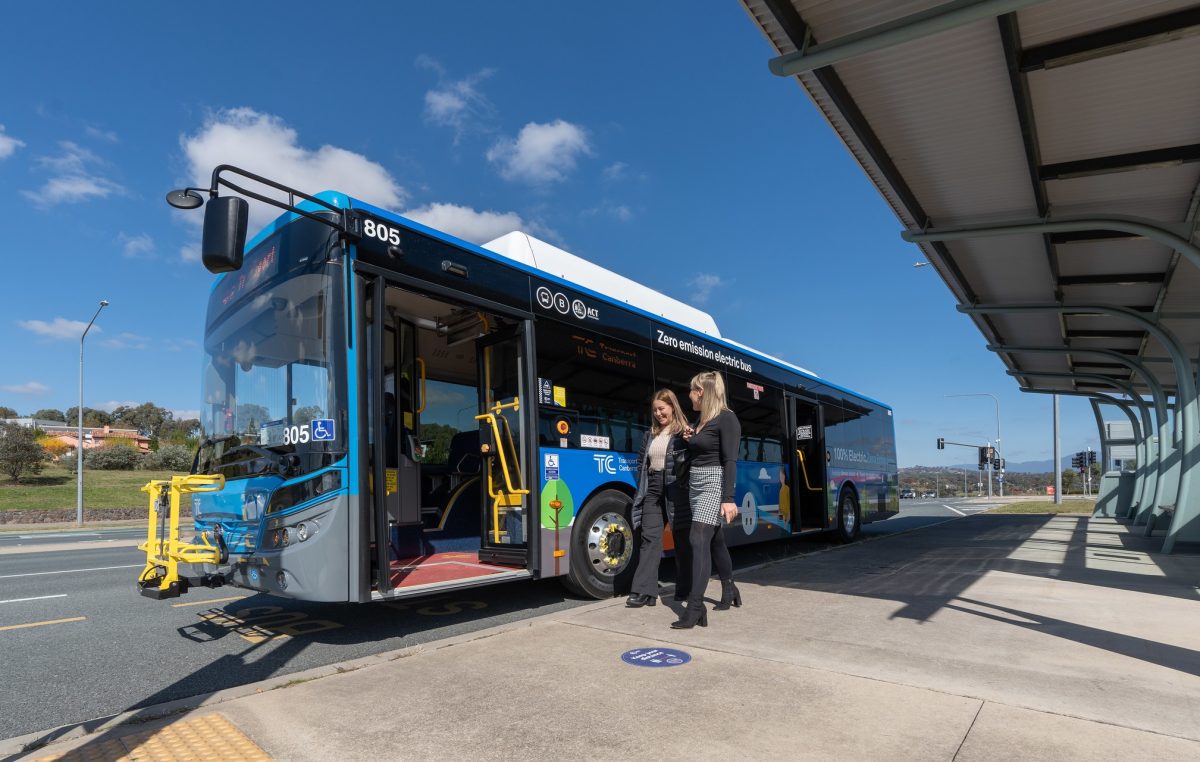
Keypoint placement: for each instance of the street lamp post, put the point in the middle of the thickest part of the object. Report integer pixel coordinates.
(79, 433)
(999, 450)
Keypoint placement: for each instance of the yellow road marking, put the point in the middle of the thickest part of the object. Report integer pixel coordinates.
(208, 601)
(39, 624)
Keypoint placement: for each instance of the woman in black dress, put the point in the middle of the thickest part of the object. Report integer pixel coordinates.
(712, 463)
(661, 496)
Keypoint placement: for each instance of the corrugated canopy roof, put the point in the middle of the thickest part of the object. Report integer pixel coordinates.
(1067, 112)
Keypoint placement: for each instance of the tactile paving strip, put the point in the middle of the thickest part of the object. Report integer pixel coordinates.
(207, 738)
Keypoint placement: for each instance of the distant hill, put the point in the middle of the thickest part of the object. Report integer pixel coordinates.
(1025, 466)
(949, 481)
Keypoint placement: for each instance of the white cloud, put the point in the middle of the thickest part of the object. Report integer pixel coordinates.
(620, 211)
(178, 345)
(31, 387)
(8, 144)
(183, 415)
(457, 103)
(107, 136)
(112, 405)
(190, 252)
(615, 171)
(475, 226)
(542, 153)
(59, 328)
(125, 340)
(265, 145)
(137, 246)
(73, 178)
(703, 285)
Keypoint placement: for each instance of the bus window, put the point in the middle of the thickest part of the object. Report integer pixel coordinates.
(601, 385)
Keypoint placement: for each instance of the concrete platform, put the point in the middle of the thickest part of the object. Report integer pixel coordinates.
(988, 637)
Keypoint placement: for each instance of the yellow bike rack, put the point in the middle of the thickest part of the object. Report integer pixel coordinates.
(164, 550)
(509, 496)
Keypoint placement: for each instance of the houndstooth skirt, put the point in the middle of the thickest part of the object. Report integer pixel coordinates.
(705, 494)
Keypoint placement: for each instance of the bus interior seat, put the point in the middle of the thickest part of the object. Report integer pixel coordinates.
(455, 514)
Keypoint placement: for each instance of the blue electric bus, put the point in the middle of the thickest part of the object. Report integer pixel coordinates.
(389, 411)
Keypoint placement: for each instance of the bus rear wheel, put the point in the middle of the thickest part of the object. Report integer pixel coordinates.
(602, 548)
(848, 517)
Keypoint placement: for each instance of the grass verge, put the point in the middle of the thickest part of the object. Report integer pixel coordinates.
(54, 489)
(1048, 506)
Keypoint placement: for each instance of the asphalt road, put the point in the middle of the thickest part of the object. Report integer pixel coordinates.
(79, 643)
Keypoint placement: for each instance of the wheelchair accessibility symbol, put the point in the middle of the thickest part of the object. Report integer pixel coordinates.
(322, 430)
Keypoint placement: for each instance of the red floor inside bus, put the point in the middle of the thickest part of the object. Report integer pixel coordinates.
(436, 568)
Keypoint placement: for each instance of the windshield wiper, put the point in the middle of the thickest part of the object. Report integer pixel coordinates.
(278, 460)
(209, 442)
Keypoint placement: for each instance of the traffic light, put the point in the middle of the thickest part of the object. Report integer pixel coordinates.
(941, 443)
(983, 458)
(1091, 457)
(1077, 460)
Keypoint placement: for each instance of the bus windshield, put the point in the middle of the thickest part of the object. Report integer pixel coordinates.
(273, 347)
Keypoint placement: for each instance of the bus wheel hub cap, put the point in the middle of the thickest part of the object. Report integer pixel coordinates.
(610, 544)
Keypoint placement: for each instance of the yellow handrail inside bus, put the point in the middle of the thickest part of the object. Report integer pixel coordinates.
(804, 470)
(421, 364)
(163, 548)
(509, 497)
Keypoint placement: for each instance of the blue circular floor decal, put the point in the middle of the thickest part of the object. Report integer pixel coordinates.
(655, 657)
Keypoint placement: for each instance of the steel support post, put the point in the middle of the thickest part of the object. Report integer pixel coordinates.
(1123, 387)
(1156, 468)
(1185, 522)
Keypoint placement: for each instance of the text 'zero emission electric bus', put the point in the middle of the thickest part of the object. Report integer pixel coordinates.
(389, 411)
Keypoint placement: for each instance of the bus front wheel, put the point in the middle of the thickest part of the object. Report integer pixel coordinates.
(602, 548)
(848, 517)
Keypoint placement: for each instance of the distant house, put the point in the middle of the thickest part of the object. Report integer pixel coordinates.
(94, 437)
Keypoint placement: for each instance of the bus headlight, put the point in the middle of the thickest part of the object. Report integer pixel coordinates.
(302, 532)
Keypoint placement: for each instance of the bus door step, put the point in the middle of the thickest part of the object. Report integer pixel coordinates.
(505, 556)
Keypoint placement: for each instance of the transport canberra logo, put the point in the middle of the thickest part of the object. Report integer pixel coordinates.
(558, 301)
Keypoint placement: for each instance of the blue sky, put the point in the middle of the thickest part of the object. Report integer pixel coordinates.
(647, 137)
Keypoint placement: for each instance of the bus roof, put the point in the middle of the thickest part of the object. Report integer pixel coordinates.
(524, 248)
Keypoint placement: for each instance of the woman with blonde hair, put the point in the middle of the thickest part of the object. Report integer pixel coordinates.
(712, 463)
(661, 498)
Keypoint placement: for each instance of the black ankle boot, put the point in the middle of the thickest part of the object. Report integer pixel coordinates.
(729, 595)
(691, 617)
(636, 601)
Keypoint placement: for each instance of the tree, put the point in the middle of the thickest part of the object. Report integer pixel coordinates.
(20, 452)
(50, 414)
(8, 412)
(55, 448)
(180, 432)
(92, 418)
(147, 417)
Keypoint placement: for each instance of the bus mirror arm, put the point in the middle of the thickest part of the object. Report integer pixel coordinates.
(229, 221)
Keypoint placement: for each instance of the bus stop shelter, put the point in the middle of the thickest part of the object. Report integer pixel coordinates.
(1045, 156)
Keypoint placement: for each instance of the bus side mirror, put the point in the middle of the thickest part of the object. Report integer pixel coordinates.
(225, 220)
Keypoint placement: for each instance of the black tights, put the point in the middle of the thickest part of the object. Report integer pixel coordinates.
(708, 548)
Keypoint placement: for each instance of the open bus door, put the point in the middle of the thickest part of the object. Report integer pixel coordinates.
(504, 409)
(808, 483)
